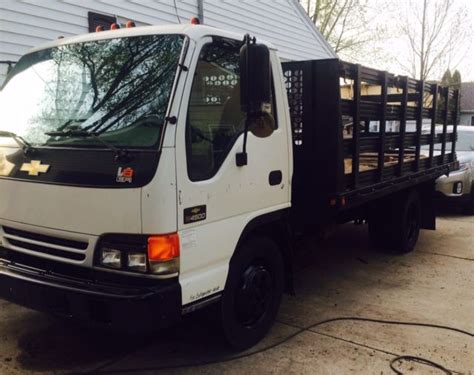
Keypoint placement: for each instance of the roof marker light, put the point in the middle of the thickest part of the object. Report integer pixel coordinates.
(114, 26)
(99, 28)
(130, 24)
(195, 21)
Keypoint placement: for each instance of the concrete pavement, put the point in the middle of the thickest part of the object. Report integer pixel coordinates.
(434, 284)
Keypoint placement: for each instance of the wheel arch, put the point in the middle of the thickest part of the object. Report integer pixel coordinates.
(274, 225)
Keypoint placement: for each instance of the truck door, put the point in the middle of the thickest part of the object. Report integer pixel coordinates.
(216, 198)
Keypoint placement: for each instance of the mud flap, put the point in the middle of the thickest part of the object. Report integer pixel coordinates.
(428, 206)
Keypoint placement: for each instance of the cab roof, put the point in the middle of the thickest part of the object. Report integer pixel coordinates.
(194, 32)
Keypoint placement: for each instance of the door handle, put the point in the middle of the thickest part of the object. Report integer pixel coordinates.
(275, 177)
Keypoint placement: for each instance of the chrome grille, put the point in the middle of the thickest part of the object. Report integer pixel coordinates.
(45, 244)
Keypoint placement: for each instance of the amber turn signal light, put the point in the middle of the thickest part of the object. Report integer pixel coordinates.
(163, 248)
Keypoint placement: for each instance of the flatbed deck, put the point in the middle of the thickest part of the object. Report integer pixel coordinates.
(369, 161)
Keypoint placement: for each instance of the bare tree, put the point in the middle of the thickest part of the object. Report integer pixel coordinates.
(434, 31)
(345, 24)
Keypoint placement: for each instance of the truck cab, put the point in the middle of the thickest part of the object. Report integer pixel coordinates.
(121, 199)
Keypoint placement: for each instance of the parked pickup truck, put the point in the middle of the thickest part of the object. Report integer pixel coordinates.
(148, 172)
(457, 189)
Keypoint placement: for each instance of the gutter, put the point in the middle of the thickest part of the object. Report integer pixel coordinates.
(200, 5)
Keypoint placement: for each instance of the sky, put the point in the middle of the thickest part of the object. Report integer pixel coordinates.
(464, 62)
(392, 49)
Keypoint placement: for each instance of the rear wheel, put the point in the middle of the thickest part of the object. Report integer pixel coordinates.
(469, 209)
(396, 225)
(253, 292)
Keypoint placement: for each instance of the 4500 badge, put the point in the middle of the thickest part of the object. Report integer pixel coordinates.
(193, 214)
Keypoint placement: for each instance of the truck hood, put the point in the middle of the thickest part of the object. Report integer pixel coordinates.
(465, 156)
(43, 199)
(76, 209)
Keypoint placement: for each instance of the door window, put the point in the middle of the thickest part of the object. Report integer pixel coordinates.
(215, 119)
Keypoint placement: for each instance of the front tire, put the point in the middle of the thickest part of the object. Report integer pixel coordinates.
(252, 293)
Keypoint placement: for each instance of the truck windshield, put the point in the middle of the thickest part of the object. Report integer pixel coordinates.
(116, 89)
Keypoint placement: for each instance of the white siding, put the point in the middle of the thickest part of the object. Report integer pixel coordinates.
(281, 22)
(3, 72)
(28, 23)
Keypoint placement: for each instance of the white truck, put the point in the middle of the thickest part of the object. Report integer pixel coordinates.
(148, 172)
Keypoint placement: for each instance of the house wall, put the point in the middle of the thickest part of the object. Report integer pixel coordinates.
(3, 72)
(282, 22)
(28, 23)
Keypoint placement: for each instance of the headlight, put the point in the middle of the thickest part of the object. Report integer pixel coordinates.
(111, 258)
(137, 262)
(457, 187)
(158, 255)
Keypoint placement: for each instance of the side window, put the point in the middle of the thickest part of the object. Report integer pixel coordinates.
(214, 119)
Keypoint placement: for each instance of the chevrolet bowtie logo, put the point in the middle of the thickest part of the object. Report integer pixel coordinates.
(34, 168)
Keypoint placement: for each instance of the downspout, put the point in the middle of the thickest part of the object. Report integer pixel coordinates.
(200, 4)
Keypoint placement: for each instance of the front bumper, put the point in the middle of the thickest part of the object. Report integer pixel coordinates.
(128, 308)
(446, 187)
(453, 200)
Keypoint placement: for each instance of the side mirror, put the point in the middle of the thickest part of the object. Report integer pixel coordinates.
(255, 93)
(255, 76)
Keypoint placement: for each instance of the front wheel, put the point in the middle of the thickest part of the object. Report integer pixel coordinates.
(252, 293)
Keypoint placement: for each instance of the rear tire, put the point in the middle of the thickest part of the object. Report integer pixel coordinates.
(252, 293)
(396, 225)
(469, 209)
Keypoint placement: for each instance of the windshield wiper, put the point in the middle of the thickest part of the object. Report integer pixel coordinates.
(25, 146)
(121, 154)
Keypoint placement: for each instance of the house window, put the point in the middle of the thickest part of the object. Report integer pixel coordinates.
(472, 120)
(97, 19)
